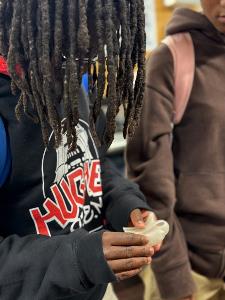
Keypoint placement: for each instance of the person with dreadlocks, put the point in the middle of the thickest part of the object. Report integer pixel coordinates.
(57, 190)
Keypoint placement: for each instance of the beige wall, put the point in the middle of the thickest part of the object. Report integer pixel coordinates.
(163, 16)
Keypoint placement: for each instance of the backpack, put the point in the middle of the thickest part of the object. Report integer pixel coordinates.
(182, 50)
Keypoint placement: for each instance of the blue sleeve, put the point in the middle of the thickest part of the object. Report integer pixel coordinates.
(5, 159)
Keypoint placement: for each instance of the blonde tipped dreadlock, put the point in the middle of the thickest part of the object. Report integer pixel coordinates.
(52, 40)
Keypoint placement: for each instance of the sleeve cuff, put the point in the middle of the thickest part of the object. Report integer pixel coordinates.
(92, 260)
(176, 283)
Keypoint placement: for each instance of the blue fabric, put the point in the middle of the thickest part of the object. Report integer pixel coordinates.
(85, 82)
(5, 160)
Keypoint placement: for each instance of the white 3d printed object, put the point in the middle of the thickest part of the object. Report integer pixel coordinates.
(155, 230)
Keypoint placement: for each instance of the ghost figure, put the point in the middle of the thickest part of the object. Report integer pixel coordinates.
(68, 161)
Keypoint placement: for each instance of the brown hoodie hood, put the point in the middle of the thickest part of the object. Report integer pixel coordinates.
(186, 20)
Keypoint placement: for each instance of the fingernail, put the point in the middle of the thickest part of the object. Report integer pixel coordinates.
(149, 260)
(140, 224)
(152, 251)
(146, 240)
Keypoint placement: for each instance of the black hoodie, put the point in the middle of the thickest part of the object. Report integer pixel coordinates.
(51, 208)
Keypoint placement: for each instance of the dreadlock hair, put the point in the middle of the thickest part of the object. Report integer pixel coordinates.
(54, 42)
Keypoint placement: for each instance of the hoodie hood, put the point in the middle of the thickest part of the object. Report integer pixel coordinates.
(186, 20)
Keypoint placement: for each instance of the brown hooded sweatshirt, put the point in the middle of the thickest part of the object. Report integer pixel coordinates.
(185, 183)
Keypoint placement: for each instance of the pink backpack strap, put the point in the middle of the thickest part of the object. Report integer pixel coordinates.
(182, 49)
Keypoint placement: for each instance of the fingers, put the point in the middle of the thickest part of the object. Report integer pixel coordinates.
(128, 252)
(145, 214)
(124, 265)
(128, 274)
(157, 247)
(137, 219)
(124, 239)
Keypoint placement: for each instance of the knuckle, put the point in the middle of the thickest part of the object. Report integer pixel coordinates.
(143, 239)
(131, 237)
(106, 252)
(134, 272)
(105, 236)
(130, 263)
(122, 276)
(145, 260)
(152, 251)
(129, 252)
(146, 251)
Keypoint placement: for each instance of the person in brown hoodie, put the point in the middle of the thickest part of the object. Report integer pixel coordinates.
(184, 180)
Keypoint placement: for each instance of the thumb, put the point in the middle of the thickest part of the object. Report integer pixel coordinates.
(137, 219)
